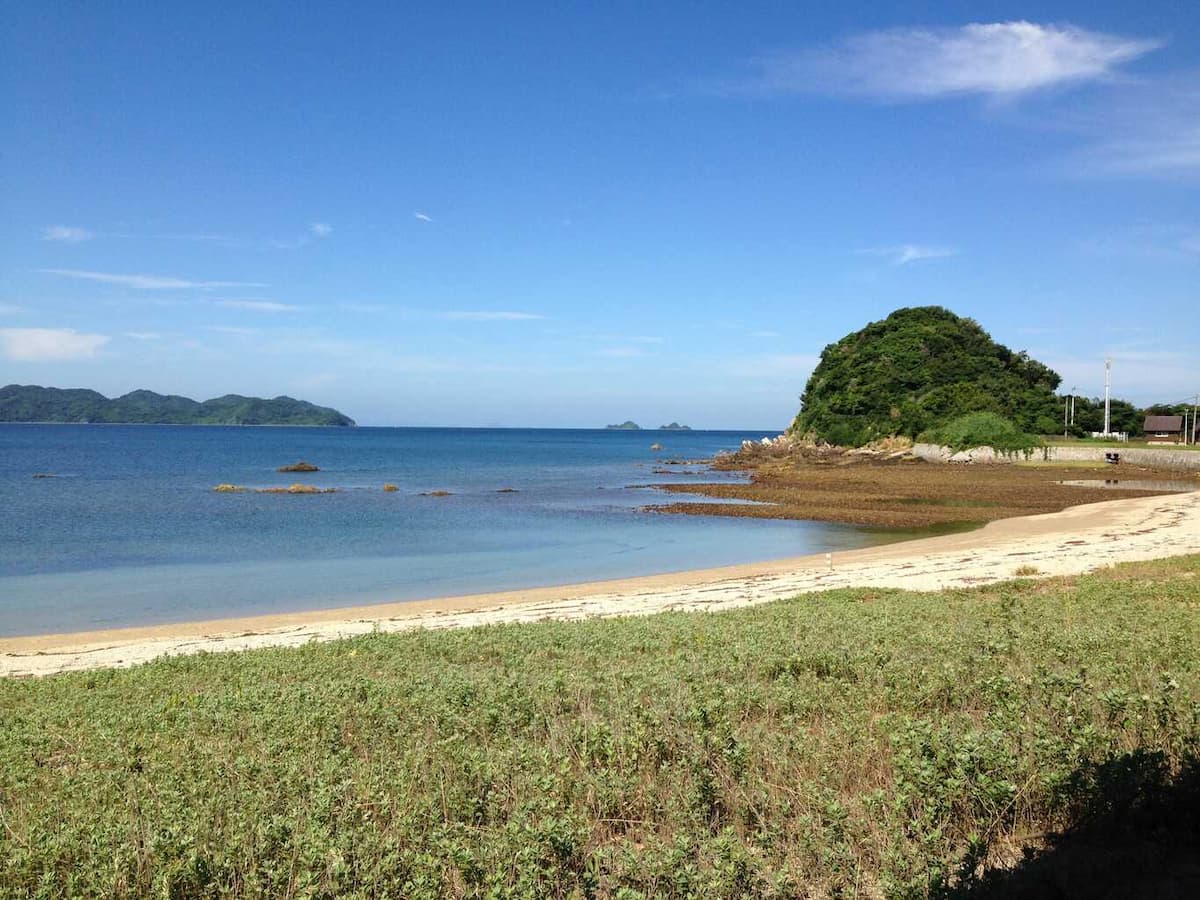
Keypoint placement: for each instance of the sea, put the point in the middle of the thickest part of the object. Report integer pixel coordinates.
(127, 529)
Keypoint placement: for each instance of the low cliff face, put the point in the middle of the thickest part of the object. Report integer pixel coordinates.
(31, 403)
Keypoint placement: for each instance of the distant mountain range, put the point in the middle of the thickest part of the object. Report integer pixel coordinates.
(30, 403)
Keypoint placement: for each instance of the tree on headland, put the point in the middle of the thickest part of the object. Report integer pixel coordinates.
(919, 368)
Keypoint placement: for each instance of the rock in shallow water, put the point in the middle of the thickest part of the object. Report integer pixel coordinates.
(301, 466)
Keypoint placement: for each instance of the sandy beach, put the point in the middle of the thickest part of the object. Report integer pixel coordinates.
(1074, 541)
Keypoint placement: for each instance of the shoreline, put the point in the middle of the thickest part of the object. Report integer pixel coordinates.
(1073, 541)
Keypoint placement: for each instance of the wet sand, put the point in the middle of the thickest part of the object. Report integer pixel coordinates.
(1072, 541)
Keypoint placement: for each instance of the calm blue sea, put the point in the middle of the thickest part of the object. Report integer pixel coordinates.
(130, 532)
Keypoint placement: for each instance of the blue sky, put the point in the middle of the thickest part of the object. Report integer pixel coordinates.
(569, 214)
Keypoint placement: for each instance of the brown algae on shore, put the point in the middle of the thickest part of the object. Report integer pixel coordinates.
(889, 489)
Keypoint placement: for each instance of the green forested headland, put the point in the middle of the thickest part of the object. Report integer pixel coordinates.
(920, 368)
(30, 403)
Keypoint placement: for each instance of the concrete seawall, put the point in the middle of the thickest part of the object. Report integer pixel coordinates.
(1186, 460)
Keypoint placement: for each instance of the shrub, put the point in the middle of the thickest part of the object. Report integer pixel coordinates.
(981, 429)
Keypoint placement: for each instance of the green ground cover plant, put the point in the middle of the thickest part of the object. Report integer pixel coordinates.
(852, 743)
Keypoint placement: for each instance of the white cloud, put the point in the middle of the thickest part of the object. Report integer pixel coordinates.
(422, 217)
(484, 315)
(1000, 58)
(47, 344)
(622, 352)
(147, 282)
(321, 229)
(1157, 152)
(232, 329)
(66, 234)
(143, 335)
(764, 334)
(7, 309)
(267, 306)
(903, 254)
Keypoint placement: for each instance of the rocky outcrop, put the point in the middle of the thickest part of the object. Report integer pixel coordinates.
(301, 466)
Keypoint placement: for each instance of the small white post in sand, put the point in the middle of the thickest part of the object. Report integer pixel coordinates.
(829, 559)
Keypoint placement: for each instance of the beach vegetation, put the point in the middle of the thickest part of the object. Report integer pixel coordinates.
(982, 429)
(850, 743)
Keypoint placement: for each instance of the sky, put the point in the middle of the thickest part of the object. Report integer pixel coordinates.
(567, 214)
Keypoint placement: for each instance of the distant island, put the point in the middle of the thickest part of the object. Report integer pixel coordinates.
(30, 403)
(629, 425)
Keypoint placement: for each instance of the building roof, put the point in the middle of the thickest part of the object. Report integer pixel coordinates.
(1163, 423)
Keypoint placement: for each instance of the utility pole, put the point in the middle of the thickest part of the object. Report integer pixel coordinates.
(1107, 392)
(1074, 389)
(1066, 413)
(1195, 406)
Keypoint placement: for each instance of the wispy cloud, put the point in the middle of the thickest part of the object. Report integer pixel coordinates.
(487, 315)
(147, 282)
(321, 229)
(363, 307)
(1141, 373)
(8, 309)
(422, 217)
(621, 352)
(903, 254)
(66, 234)
(266, 306)
(1156, 241)
(763, 334)
(143, 335)
(49, 344)
(1143, 129)
(232, 329)
(1000, 58)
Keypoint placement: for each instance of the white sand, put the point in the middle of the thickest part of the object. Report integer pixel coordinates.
(1076, 540)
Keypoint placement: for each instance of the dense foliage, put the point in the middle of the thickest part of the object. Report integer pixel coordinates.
(919, 368)
(30, 403)
(853, 743)
(981, 430)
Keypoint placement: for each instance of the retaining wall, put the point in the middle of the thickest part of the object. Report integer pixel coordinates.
(1188, 460)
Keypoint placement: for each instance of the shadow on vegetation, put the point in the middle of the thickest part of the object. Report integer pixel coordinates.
(1136, 834)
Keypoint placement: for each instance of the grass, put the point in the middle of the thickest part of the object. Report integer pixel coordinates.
(853, 743)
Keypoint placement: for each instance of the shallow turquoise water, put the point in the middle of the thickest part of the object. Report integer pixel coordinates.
(130, 532)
